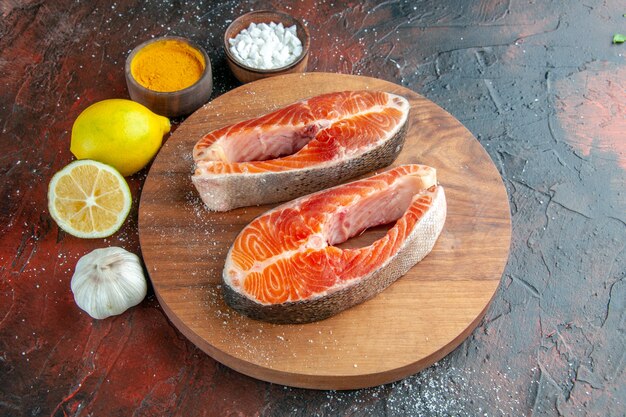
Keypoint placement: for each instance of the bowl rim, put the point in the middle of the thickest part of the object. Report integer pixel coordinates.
(207, 73)
(299, 24)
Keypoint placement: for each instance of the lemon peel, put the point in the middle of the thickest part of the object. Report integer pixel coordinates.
(118, 132)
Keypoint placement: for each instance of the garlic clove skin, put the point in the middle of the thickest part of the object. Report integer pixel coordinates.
(108, 281)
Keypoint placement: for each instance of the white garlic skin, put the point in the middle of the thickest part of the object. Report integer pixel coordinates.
(108, 281)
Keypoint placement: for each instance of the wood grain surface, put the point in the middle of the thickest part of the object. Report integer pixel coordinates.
(409, 326)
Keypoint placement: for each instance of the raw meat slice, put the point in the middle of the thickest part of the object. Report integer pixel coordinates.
(284, 268)
(301, 148)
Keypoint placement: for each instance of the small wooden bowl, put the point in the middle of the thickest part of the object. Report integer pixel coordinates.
(175, 103)
(245, 73)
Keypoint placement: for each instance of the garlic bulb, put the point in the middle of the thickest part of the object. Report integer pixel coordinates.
(108, 281)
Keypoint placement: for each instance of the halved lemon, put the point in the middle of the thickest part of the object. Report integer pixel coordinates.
(89, 199)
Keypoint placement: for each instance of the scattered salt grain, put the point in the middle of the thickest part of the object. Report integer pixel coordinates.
(266, 46)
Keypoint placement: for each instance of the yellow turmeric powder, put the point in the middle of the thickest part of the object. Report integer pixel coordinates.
(167, 65)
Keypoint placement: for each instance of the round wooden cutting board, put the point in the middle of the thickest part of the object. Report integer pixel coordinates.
(415, 322)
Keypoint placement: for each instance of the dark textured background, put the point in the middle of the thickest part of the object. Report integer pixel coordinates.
(537, 82)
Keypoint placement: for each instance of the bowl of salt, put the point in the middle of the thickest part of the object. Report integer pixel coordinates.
(264, 44)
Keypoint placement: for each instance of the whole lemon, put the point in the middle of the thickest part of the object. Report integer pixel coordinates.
(120, 133)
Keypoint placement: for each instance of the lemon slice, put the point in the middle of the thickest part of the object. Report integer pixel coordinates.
(89, 199)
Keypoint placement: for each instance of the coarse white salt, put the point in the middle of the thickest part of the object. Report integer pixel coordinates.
(266, 46)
